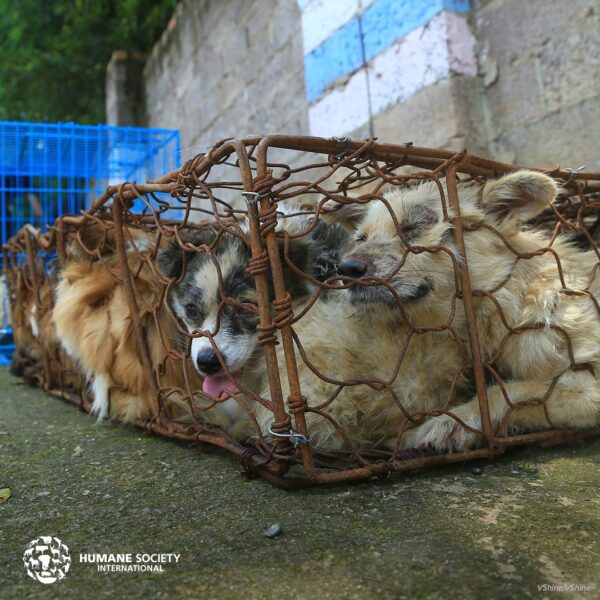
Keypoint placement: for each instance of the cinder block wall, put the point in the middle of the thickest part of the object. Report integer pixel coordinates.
(540, 65)
(513, 79)
(228, 68)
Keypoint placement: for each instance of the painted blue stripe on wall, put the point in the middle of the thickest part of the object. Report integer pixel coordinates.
(336, 56)
(384, 22)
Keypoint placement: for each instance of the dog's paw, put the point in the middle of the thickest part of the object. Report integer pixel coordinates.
(442, 434)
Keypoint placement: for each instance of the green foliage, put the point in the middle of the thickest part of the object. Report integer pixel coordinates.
(54, 53)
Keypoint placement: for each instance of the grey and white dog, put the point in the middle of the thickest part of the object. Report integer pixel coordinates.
(215, 296)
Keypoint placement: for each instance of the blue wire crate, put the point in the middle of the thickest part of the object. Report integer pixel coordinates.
(51, 169)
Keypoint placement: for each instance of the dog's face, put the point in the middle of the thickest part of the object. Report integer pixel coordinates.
(216, 296)
(388, 266)
(404, 253)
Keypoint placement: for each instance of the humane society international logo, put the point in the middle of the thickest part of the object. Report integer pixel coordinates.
(47, 559)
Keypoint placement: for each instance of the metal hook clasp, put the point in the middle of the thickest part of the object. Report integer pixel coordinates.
(573, 172)
(251, 198)
(296, 438)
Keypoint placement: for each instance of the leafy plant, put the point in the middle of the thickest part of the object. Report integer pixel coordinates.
(54, 53)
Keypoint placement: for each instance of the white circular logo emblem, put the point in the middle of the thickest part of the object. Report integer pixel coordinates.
(47, 559)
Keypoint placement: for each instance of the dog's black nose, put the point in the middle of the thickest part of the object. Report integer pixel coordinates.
(352, 267)
(208, 362)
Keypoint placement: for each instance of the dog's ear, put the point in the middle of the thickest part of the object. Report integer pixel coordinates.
(347, 215)
(171, 259)
(512, 200)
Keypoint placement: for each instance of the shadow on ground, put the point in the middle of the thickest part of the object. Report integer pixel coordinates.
(530, 519)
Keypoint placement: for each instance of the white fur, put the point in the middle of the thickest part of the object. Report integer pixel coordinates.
(5, 317)
(33, 322)
(70, 348)
(100, 389)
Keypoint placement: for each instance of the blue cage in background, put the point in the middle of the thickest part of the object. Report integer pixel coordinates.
(51, 169)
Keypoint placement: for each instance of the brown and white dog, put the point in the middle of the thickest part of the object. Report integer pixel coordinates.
(98, 329)
(212, 297)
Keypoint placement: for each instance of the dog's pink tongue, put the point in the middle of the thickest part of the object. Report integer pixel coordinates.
(216, 386)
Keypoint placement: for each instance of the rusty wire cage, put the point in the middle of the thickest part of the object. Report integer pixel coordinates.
(331, 397)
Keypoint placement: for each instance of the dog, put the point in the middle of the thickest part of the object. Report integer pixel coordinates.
(361, 366)
(27, 358)
(95, 325)
(38, 357)
(97, 329)
(214, 296)
(539, 332)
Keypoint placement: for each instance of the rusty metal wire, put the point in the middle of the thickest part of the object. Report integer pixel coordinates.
(299, 421)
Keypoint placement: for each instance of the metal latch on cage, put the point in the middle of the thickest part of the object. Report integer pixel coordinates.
(297, 439)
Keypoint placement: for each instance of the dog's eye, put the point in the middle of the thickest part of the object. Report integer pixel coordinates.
(250, 311)
(192, 311)
(361, 238)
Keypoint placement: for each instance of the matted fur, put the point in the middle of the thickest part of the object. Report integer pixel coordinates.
(363, 338)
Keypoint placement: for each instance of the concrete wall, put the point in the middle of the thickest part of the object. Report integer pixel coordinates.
(227, 68)
(125, 104)
(513, 79)
(540, 60)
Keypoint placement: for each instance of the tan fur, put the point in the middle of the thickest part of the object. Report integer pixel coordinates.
(347, 342)
(38, 356)
(535, 360)
(95, 325)
(370, 413)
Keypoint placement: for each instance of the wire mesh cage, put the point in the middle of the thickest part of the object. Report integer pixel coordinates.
(374, 309)
(51, 169)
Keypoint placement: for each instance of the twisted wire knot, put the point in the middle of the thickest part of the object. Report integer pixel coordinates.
(268, 220)
(246, 467)
(258, 264)
(263, 184)
(280, 431)
(266, 334)
(297, 403)
(285, 312)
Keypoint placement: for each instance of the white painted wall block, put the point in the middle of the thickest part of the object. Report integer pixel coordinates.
(342, 110)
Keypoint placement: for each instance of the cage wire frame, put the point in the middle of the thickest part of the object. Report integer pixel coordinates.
(289, 461)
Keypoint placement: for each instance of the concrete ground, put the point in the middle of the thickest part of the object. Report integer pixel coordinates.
(529, 519)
